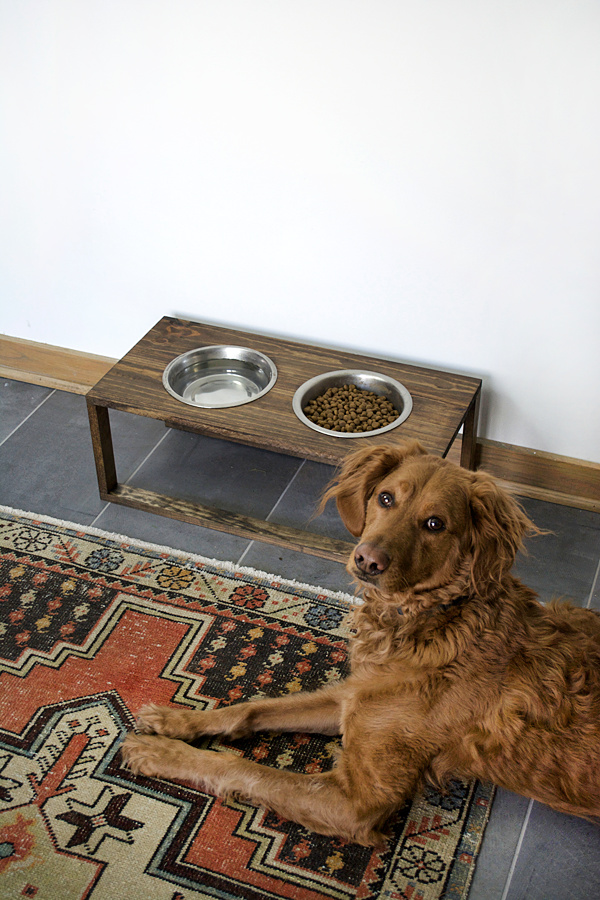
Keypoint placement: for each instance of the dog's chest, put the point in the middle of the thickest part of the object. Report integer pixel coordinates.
(389, 700)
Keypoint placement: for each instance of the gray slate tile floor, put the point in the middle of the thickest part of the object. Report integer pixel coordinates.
(46, 466)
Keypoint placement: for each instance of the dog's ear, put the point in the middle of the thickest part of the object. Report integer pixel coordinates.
(360, 473)
(499, 526)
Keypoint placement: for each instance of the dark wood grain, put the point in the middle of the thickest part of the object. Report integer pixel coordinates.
(442, 402)
(232, 523)
(104, 456)
(468, 453)
(440, 399)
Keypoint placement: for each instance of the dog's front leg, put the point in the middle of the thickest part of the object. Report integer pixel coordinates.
(318, 711)
(324, 803)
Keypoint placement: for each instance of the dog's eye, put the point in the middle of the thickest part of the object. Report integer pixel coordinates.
(434, 523)
(385, 499)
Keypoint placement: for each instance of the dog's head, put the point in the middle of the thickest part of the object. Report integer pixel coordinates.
(425, 524)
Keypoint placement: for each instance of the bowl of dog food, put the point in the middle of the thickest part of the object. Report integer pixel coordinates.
(219, 377)
(350, 403)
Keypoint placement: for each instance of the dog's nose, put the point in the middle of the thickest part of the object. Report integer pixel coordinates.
(370, 559)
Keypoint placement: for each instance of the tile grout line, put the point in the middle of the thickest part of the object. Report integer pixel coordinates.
(513, 864)
(588, 605)
(245, 551)
(286, 489)
(147, 457)
(33, 411)
(94, 522)
(133, 474)
(275, 505)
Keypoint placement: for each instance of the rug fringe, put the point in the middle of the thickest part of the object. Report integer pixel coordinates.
(181, 554)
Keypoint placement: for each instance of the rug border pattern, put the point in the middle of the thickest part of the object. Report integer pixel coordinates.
(460, 871)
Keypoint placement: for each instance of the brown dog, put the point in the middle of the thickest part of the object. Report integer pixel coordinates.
(457, 669)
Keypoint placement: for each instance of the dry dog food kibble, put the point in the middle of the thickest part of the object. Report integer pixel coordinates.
(351, 409)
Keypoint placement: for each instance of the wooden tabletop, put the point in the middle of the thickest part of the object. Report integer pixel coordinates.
(440, 399)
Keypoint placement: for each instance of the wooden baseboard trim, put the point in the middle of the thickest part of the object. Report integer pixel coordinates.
(53, 367)
(527, 473)
(542, 475)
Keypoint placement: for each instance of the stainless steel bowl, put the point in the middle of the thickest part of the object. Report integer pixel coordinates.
(220, 376)
(395, 392)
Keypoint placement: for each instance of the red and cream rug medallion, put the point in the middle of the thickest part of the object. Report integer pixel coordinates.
(92, 626)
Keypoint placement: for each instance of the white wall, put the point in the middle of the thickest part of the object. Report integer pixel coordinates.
(413, 178)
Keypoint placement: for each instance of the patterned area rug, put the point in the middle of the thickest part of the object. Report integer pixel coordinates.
(91, 627)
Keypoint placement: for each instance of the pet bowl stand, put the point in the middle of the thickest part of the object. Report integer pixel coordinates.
(442, 404)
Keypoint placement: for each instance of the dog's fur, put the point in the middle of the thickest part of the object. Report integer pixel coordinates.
(456, 668)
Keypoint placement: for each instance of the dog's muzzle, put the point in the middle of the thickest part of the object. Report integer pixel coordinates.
(370, 561)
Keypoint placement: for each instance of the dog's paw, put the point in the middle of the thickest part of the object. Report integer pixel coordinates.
(165, 720)
(162, 757)
(146, 754)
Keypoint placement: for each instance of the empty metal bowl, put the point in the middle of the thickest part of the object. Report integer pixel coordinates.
(395, 392)
(220, 376)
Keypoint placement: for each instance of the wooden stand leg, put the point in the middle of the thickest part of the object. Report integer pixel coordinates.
(469, 439)
(103, 449)
(185, 511)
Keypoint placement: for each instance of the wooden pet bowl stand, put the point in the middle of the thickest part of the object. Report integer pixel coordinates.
(442, 404)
